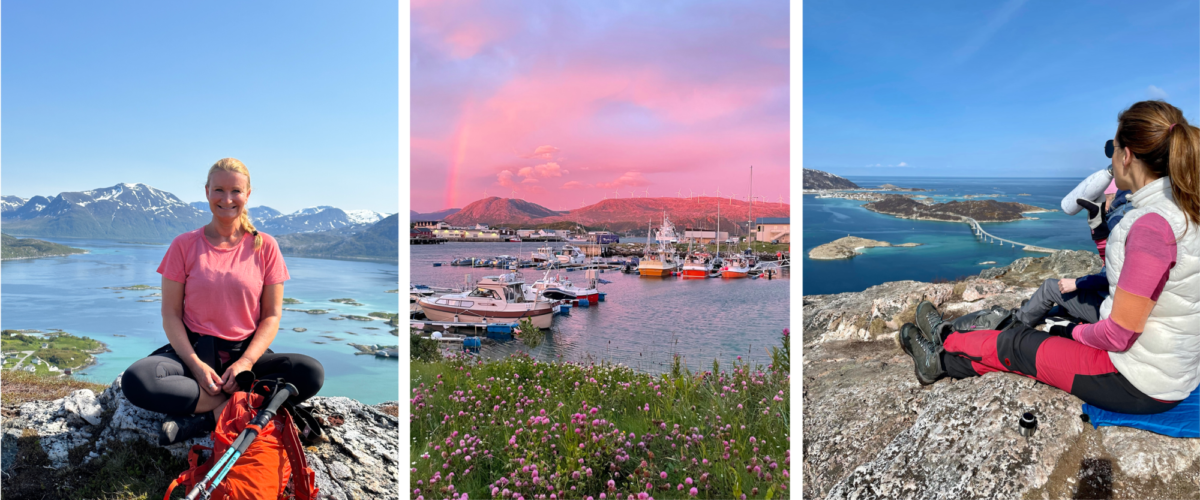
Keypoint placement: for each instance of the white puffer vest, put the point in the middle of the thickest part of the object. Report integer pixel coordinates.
(1164, 362)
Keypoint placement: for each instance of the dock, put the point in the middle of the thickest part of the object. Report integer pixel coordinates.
(426, 241)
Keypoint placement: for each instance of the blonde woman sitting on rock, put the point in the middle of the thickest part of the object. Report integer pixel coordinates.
(222, 299)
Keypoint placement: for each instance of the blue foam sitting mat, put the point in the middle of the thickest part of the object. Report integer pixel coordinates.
(1181, 421)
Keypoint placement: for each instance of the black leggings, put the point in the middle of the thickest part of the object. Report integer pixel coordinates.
(161, 382)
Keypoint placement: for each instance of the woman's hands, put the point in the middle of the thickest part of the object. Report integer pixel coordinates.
(208, 379)
(228, 381)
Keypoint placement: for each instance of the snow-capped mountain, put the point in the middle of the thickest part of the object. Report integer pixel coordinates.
(308, 220)
(11, 203)
(364, 216)
(140, 212)
(121, 211)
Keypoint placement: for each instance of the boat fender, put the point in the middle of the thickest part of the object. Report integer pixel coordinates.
(583, 302)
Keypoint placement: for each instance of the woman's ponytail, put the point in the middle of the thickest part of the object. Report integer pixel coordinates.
(1158, 134)
(248, 227)
(1184, 168)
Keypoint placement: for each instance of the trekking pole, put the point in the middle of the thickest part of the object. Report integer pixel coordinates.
(239, 446)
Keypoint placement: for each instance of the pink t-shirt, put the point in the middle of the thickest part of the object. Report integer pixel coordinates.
(222, 288)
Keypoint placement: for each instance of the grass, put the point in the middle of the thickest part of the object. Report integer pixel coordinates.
(124, 470)
(520, 428)
(20, 387)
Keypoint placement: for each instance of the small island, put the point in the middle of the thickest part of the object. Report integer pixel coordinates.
(953, 211)
(53, 353)
(847, 247)
(12, 248)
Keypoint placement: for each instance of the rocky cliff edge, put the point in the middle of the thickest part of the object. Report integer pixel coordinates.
(359, 461)
(871, 431)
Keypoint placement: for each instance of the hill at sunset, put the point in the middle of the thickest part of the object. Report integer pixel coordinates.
(621, 214)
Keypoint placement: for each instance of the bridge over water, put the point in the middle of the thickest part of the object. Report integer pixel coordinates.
(988, 237)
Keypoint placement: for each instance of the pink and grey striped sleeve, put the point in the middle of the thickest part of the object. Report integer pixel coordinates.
(1150, 252)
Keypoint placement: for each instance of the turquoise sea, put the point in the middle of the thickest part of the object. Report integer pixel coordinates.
(69, 293)
(949, 249)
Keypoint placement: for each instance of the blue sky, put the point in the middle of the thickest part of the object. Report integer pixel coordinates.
(977, 89)
(305, 93)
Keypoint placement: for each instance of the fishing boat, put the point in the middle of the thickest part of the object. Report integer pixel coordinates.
(695, 264)
(571, 254)
(736, 266)
(544, 254)
(659, 260)
(495, 298)
(558, 288)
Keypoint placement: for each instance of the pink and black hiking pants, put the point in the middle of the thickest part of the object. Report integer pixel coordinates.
(1066, 364)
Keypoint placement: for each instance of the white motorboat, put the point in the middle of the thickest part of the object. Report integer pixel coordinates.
(495, 299)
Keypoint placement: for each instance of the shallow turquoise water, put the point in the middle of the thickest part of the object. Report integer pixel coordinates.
(68, 293)
(949, 249)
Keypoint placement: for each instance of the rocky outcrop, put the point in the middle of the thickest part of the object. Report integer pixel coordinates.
(905, 207)
(1032, 271)
(847, 247)
(359, 460)
(871, 431)
(816, 179)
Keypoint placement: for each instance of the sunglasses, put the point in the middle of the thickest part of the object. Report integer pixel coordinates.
(1109, 148)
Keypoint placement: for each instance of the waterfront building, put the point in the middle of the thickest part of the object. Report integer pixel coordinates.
(773, 229)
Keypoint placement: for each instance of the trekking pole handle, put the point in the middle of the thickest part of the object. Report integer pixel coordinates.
(264, 416)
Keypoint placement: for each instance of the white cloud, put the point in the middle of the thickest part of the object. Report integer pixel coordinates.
(902, 164)
(628, 179)
(543, 152)
(505, 178)
(1156, 93)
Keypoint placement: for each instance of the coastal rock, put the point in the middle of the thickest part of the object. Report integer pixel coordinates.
(1032, 271)
(358, 461)
(847, 247)
(871, 431)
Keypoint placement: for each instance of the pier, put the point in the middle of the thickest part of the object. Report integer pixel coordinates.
(988, 237)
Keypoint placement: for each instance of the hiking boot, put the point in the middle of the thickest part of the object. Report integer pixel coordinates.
(929, 322)
(180, 429)
(927, 360)
(905, 336)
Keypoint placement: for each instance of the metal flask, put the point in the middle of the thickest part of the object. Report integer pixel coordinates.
(1028, 424)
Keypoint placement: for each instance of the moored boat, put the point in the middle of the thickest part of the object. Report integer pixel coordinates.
(495, 298)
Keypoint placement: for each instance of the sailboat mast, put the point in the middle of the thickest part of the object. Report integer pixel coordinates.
(718, 233)
(750, 214)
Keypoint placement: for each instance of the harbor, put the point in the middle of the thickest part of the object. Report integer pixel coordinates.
(642, 322)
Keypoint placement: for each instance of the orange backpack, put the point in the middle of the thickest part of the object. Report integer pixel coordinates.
(263, 471)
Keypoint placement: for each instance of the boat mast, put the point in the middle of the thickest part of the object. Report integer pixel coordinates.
(750, 222)
(718, 233)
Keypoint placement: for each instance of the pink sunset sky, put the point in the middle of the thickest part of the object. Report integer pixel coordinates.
(565, 103)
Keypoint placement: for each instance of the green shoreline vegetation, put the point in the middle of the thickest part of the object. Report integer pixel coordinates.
(50, 353)
(522, 428)
(12, 248)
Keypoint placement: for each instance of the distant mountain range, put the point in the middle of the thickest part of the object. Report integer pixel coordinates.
(143, 213)
(133, 211)
(308, 220)
(816, 179)
(378, 241)
(622, 214)
(414, 215)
